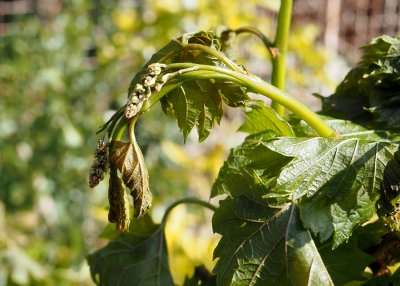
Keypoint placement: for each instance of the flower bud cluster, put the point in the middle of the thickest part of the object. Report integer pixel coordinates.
(100, 164)
(143, 90)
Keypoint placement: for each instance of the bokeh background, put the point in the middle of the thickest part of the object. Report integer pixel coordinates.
(65, 66)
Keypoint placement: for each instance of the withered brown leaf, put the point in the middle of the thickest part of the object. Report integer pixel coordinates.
(128, 158)
(119, 204)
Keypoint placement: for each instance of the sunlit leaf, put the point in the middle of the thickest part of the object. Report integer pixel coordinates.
(338, 180)
(262, 118)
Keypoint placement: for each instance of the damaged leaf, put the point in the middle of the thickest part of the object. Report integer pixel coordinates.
(128, 158)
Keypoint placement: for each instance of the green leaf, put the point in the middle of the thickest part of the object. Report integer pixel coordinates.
(196, 103)
(369, 94)
(335, 181)
(199, 103)
(244, 159)
(265, 246)
(262, 118)
(338, 180)
(129, 160)
(346, 263)
(232, 94)
(132, 260)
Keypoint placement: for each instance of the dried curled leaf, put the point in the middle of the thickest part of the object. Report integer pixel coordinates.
(119, 205)
(128, 158)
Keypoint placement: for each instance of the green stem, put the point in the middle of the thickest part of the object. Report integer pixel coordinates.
(281, 43)
(216, 54)
(253, 30)
(119, 129)
(254, 84)
(187, 201)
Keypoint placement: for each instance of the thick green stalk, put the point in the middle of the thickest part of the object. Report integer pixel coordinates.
(281, 43)
(254, 84)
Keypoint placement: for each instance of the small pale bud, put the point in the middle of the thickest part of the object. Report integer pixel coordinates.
(149, 81)
(158, 86)
(139, 88)
(130, 111)
(155, 68)
(134, 99)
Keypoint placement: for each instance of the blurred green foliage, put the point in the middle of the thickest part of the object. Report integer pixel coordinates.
(59, 76)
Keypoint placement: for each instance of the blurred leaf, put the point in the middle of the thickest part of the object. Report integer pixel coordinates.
(132, 259)
(22, 268)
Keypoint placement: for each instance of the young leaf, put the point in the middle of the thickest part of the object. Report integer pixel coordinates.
(262, 118)
(199, 103)
(128, 158)
(265, 246)
(132, 260)
(196, 103)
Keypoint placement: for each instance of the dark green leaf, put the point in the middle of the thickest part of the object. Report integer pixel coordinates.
(201, 277)
(390, 187)
(393, 280)
(369, 94)
(346, 263)
(132, 260)
(265, 246)
(262, 118)
(128, 158)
